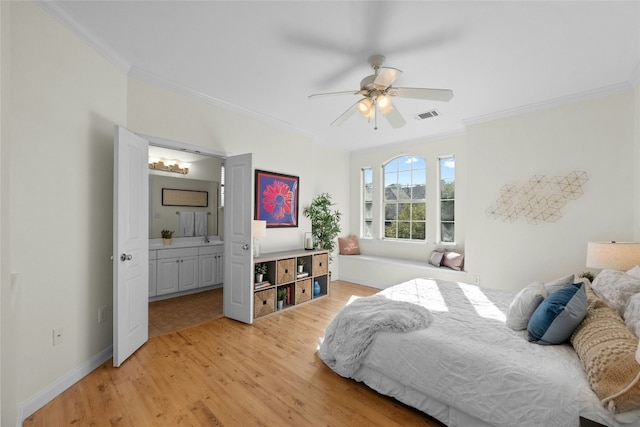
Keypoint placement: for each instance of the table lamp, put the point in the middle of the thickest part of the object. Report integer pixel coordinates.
(259, 231)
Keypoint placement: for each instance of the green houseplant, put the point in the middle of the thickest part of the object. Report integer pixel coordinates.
(325, 222)
(167, 236)
(280, 294)
(261, 270)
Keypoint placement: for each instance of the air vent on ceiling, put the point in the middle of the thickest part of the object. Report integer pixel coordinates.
(426, 115)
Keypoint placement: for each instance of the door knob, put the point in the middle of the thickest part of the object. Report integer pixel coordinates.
(245, 246)
(125, 257)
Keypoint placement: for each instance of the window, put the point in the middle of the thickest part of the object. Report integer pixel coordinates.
(367, 202)
(447, 199)
(404, 198)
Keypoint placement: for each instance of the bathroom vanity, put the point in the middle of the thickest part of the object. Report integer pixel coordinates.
(187, 265)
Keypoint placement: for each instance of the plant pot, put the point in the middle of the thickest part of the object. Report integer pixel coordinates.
(167, 241)
(259, 277)
(280, 304)
(300, 268)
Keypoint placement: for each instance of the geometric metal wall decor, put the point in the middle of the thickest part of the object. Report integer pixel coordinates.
(539, 200)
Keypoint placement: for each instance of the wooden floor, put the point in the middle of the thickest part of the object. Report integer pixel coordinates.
(172, 314)
(226, 373)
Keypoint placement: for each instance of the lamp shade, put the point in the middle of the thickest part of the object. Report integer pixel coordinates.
(613, 255)
(259, 228)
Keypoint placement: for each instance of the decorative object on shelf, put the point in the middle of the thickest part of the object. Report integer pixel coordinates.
(316, 288)
(282, 292)
(258, 232)
(300, 265)
(276, 199)
(308, 241)
(539, 200)
(167, 236)
(325, 223)
(261, 270)
(613, 255)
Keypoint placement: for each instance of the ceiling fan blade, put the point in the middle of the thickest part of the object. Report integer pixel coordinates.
(322, 95)
(394, 117)
(423, 93)
(386, 76)
(344, 116)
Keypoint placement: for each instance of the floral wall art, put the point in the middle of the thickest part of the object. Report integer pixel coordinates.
(276, 199)
(541, 199)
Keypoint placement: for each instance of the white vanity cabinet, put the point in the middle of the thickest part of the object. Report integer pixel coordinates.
(177, 270)
(210, 264)
(152, 274)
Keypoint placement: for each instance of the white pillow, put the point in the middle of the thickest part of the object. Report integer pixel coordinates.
(632, 315)
(635, 271)
(554, 285)
(615, 288)
(524, 304)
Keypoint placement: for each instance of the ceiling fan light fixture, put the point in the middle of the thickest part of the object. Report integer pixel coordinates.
(365, 107)
(384, 103)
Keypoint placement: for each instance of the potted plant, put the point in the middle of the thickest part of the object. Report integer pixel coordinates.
(325, 222)
(280, 296)
(261, 270)
(167, 236)
(300, 265)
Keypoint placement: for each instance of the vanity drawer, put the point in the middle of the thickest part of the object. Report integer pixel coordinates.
(177, 253)
(212, 249)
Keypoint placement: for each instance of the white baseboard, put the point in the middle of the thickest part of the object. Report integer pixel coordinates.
(50, 392)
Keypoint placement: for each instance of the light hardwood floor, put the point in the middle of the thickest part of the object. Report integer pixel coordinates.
(226, 373)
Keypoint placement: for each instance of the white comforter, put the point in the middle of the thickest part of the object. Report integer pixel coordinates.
(468, 368)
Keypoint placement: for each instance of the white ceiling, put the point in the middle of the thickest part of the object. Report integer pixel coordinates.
(265, 57)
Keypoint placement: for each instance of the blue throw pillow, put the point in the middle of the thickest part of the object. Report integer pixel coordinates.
(558, 315)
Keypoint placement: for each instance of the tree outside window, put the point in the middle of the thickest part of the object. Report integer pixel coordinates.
(405, 198)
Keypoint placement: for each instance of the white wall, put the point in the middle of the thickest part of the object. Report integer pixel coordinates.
(595, 136)
(61, 101)
(598, 136)
(64, 101)
(156, 111)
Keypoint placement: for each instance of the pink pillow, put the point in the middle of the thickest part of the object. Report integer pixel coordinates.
(349, 245)
(453, 260)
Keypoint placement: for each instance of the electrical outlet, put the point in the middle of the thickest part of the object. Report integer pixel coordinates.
(102, 314)
(476, 279)
(57, 336)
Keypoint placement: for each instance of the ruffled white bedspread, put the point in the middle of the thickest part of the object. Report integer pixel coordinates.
(468, 368)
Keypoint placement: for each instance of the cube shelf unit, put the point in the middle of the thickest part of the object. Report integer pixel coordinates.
(282, 274)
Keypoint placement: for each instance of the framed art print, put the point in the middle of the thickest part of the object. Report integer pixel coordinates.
(277, 199)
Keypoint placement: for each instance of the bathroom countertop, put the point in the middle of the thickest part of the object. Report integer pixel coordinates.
(184, 242)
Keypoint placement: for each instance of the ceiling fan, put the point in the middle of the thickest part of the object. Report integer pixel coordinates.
(377, 91)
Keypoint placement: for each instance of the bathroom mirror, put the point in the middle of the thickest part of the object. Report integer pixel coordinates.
(204, 174)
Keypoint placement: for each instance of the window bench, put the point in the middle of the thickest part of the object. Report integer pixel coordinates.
(382, 272)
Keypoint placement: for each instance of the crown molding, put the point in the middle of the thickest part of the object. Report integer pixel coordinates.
(551, 103)
(85, 35)
(161, 82)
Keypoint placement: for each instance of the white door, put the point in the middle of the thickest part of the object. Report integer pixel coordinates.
(130, 244)
(238, 288)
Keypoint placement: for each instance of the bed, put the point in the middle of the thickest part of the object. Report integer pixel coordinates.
(466, 368)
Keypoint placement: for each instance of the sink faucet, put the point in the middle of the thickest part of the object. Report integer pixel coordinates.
(206, 239)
